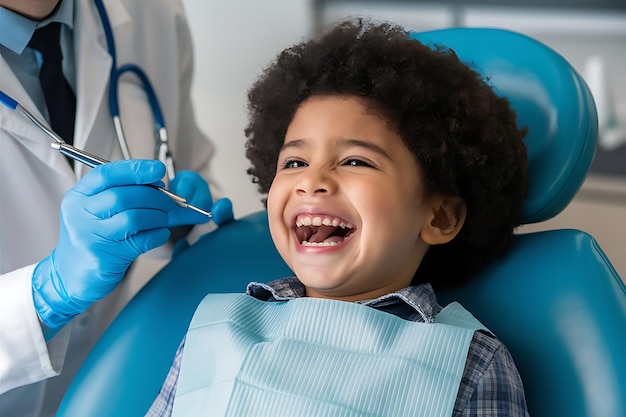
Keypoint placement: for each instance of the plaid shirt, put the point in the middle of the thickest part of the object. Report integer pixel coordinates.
(490, 386)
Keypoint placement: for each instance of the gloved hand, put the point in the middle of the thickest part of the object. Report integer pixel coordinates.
(107, 220)
(194, 188)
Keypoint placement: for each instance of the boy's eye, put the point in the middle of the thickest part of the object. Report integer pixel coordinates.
(357, 163)
(293, 163)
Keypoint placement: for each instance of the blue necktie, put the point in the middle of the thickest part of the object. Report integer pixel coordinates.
(60, 98)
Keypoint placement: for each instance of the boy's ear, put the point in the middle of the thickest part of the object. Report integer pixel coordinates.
(445, 221)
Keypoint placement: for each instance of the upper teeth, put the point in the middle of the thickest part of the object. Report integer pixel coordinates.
(316, 220)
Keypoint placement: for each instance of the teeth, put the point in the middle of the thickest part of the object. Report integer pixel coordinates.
(307, 243)
(307, 220)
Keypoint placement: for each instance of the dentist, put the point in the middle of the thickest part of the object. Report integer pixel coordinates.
(70, 233)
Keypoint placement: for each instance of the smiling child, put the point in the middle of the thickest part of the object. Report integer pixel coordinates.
(390, 169)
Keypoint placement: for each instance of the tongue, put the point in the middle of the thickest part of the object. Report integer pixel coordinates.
(317, 234)
(322, 233)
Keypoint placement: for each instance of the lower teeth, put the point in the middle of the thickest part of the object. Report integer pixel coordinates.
(307, 243)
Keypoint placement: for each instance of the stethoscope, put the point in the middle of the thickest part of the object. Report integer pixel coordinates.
(162, 152)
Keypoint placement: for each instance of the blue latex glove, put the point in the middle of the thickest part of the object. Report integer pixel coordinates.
(106, 222)
(194, 188)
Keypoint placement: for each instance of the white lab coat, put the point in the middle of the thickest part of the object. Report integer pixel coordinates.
(152, 34)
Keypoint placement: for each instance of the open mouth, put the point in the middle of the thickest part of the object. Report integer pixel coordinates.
(322, 230)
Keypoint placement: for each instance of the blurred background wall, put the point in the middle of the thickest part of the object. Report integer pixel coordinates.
(235, 40)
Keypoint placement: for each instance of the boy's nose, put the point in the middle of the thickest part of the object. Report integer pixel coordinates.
(315, 182)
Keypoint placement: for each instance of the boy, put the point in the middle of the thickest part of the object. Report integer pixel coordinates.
(390, 169)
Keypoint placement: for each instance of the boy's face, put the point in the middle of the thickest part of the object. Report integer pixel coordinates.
(342, 165)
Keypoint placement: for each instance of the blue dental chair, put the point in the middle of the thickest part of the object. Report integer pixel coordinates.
(554, 300)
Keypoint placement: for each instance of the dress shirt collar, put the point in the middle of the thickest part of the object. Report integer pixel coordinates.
(415, 303)
(17, 29)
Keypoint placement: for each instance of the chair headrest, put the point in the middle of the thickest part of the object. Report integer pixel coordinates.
(549, 97)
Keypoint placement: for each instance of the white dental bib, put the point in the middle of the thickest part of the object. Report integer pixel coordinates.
(318, 357)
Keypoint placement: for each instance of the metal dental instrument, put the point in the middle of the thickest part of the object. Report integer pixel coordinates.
(82, 156)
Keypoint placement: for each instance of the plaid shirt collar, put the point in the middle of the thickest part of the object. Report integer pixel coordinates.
(414, 303)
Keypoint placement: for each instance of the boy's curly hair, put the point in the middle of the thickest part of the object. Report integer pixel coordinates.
(463, 135)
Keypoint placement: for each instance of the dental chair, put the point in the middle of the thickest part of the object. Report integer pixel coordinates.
(554, 299)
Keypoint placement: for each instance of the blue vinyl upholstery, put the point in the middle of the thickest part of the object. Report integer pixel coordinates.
(554, 300)
(549, 96)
